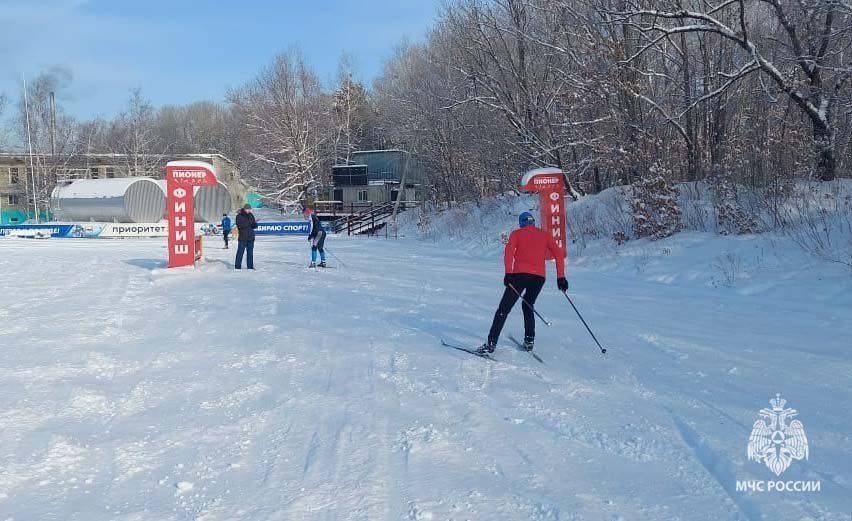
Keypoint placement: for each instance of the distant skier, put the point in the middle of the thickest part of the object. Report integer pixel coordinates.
(524, 260)
(226, 228)
(246, 224)
(317, 238)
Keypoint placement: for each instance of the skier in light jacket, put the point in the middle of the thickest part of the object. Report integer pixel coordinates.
(316, 237)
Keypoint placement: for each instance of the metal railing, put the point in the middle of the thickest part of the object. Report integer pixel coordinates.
(335, 209)
(370, 219)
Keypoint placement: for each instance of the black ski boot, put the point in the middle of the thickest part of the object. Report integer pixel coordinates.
(312, 265)
(322, 264)
(528, 343)
(487, 348)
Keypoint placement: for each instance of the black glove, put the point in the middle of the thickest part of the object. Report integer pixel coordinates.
(562, 284)
(508, 279)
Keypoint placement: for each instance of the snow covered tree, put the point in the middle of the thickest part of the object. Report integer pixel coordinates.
(607, 88)
(514, 58)
(656, 213)
(286, 117)
(796, 48)
(731, 218)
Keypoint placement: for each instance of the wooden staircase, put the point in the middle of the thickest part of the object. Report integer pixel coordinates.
(366, 219)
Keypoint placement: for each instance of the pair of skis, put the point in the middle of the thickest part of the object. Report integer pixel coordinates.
(488, 356)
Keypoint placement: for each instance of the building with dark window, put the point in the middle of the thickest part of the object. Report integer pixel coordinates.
(376, 176)
(16, 172)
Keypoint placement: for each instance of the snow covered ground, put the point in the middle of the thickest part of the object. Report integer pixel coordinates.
(134, 393)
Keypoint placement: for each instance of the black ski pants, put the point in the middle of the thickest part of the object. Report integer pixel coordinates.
(318, 242)
(527, 285)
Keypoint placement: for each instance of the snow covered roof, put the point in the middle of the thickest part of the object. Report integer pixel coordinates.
(190, 163)
(114, 156)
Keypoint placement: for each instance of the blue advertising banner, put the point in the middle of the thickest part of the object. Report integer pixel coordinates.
(32, 230)
(283, 228)
(113, 230)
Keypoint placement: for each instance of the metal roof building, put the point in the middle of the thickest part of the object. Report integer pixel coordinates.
(389, 165)
(375, 176)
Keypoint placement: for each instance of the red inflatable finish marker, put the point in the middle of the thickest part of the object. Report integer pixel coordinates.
(549, 183)
(181, 179)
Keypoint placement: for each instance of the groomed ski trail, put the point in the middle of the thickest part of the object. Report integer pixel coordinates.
(135, 392)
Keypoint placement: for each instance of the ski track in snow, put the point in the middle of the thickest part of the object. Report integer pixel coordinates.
(134, 392)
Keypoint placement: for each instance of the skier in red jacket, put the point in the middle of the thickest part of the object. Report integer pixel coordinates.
(525, 257)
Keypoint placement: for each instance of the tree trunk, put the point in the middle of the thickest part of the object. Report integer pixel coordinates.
(691, 143)
(597, 178)
(826, 156)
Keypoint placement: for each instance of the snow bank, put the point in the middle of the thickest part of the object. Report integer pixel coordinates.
(813, 217)
(272, 214)
(475, 229)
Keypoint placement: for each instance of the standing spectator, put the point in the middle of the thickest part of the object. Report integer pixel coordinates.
(246, 224)
(226, 228)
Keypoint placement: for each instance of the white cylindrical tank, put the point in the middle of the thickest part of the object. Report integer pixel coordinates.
(123, 200)
(210, 202)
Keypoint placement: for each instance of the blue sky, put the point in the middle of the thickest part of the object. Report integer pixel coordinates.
(180, 51)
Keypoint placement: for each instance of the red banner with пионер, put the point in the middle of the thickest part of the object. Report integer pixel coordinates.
(181, 178)
(549, 183)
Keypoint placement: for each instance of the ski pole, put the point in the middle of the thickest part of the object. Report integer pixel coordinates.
(603, 349)
(335, 256)
(547, 322)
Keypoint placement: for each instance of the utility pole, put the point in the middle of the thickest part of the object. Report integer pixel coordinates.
(53, 125)
(30, 144)
(400, 194)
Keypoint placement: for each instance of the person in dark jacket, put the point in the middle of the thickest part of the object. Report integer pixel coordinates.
(524, 260)
(226, 229)
(316, 237)
(246, 224)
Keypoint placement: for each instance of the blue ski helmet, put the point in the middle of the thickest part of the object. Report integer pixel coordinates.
(525, 219)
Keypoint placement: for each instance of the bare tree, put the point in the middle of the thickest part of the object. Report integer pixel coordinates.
(518, 58)
(286, 114)
(201, 127)
(4, 101)
(49, 130)
(132, 134)
(798, 49)
(349, 107)
(463, 146)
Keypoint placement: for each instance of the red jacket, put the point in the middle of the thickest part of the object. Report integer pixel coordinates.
(527, 250)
